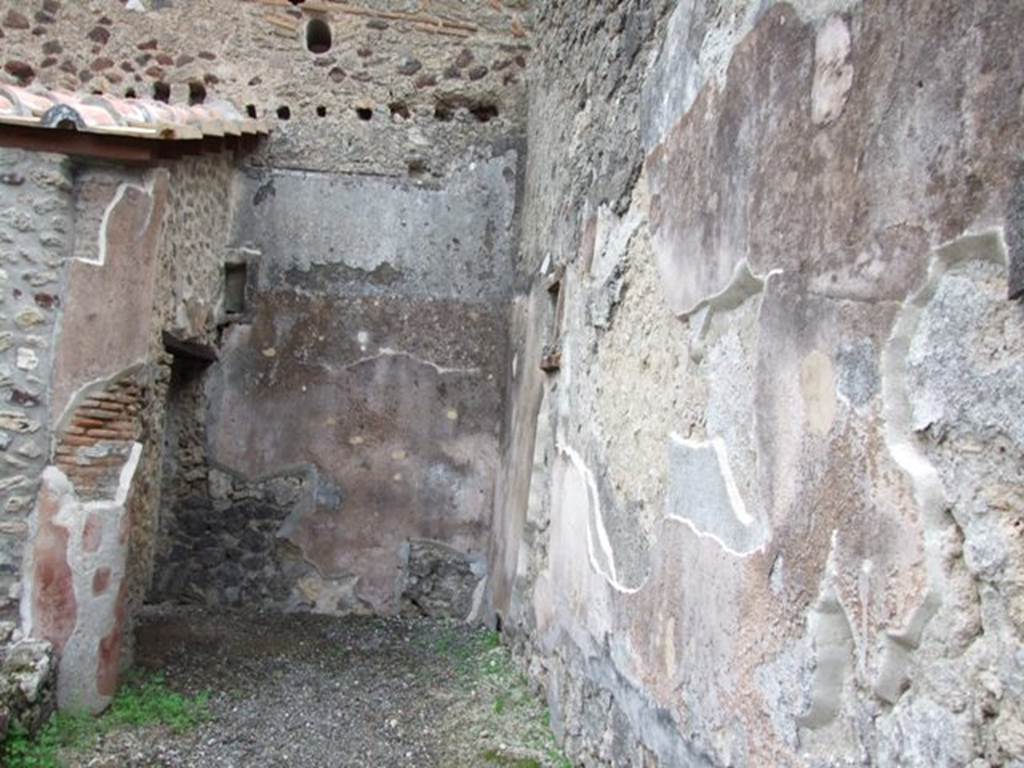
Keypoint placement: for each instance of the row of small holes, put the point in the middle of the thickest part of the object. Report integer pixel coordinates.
(484, 113)
(162, 92)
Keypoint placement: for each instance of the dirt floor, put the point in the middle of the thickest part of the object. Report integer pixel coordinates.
(302, 690)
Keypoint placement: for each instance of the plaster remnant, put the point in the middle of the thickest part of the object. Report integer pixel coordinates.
(703, 495)
(90, 656)
(857, 377)
(743, 284)
(101, 244)
(27, 359)
(830, 630)
(388, 352)
(687, 63)
(892, 677)
(818, 387)
(599, 546)
(833, 74)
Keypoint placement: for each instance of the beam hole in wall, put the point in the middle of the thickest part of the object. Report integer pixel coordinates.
(484, 113)
(551, 353)
(196, 93)
(417, 166)
(321, 111)
(161, 92)
(364, 113)
(284, 113)
(235, 280)
(443, 113)
(318, 36)
(130, 93)
(399, 109)
(250, 110)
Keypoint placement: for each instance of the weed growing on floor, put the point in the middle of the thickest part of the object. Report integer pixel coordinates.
(140, 703)
(486, 668)
(494, 757)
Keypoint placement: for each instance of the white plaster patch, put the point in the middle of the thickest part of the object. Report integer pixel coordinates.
(27, 359)
(743, 284)
(833, 74)
(818, 388)
(599, 545)
(96, 615)
(101, 245)
(388, 352)
(828, 626)
(704, 496)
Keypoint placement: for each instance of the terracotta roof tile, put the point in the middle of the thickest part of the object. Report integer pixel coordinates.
(140, 118)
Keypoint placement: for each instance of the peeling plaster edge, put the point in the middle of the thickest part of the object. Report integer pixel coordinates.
(828, 624)
(732, 489)
(739, 554)
(124, 482)
(744, 284)
(66, 489)
(83, 392)
(735, 499)
(597, 519)
(897, 413)
(389, 352)
(97, 614)
(706, 70)
(101, 258)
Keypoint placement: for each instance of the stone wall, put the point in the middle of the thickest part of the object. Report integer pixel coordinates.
(766, 508)
(130, 254)
(35, 231)
(421, 111)
(375, 360)
(398, 92)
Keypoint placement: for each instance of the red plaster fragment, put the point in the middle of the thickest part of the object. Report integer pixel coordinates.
(108, 666)
(53, 594)
(92, 534)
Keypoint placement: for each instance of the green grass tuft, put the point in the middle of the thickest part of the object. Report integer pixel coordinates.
(493, 757)
(139, 704)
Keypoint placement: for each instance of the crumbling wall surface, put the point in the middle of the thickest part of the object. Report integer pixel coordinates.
(375, 359)
(401, 89)
(36, 218)
(767, 510)
(188, 305)
(145, 253)
(35, 233)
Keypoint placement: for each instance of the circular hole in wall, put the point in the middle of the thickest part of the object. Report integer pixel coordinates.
(196, 92)
(364, 113)
(161, 92)
(284, 113)
(443, 113)
(318, 36)
(130, 93)
(321, 111)
(399, 109)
